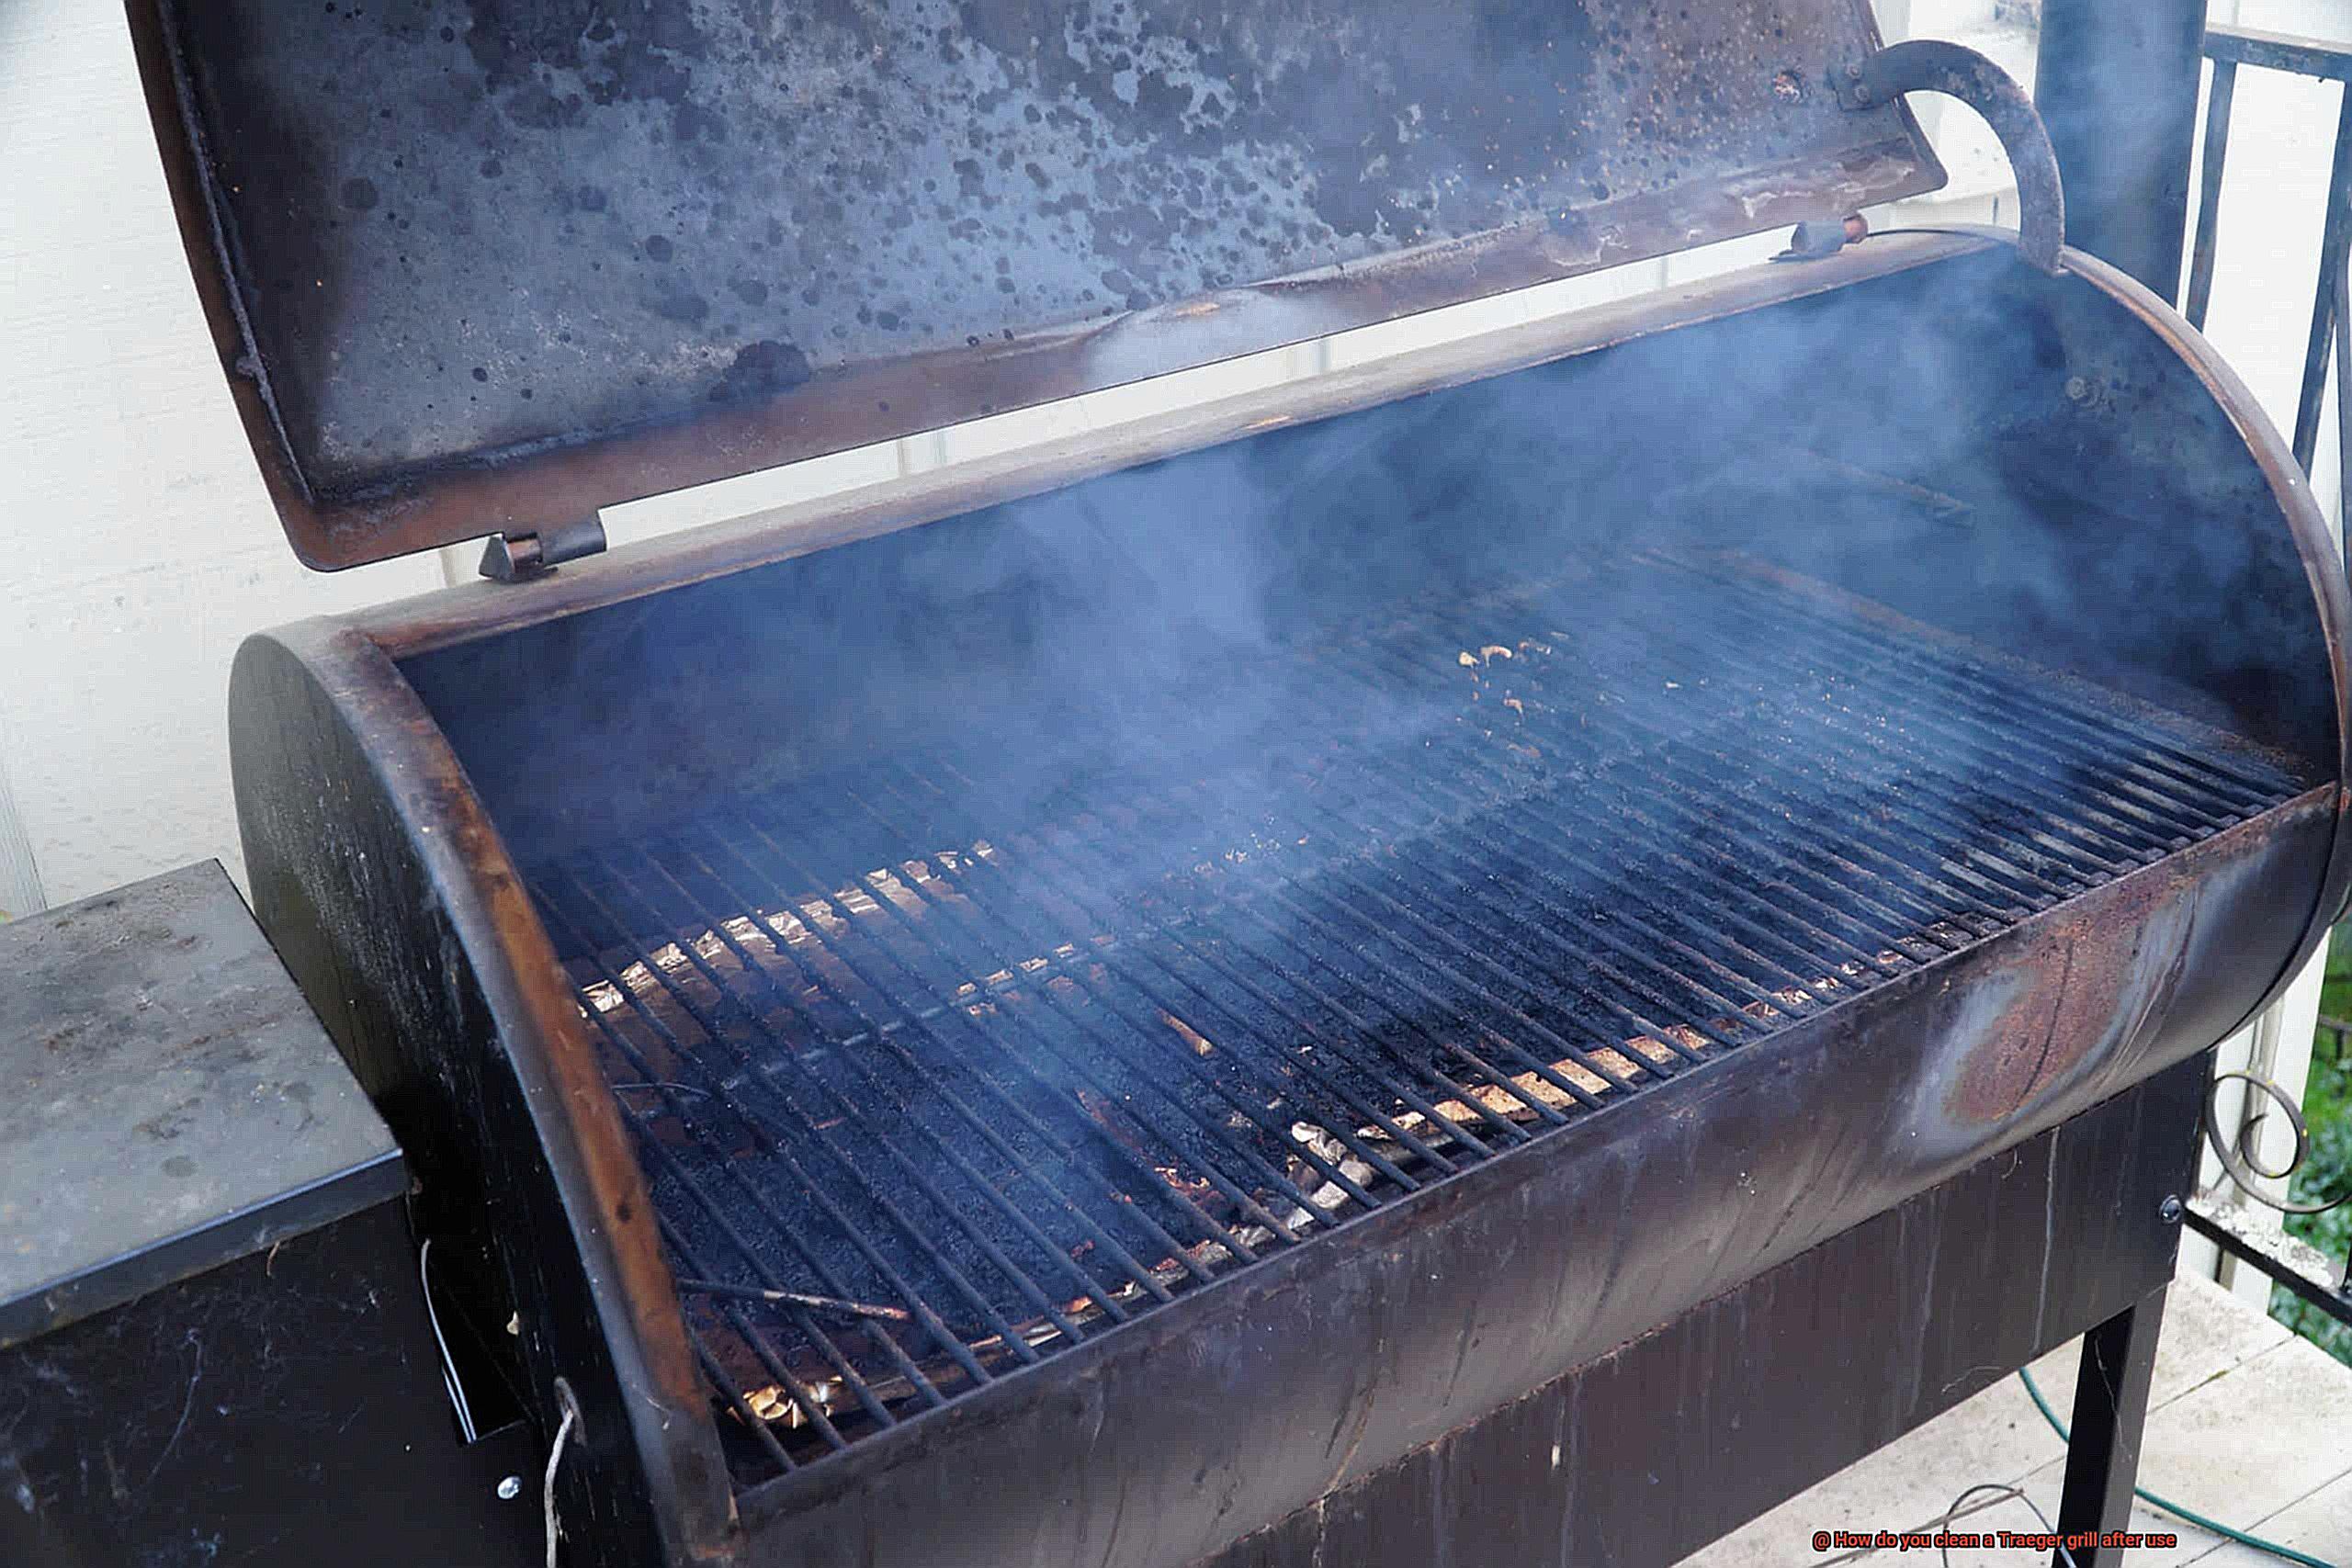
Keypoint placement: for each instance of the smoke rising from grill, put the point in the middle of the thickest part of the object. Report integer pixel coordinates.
(1106, 888)
(1942, 442)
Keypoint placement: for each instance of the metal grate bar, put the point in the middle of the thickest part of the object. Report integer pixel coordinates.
(1442, 846)
(666, 1164)
(1246, 1093)
(1604, 738)
(1351, 928)
(1246, 919)
(847, 1176)
(2033, 858)
(804, 1398)
(2047, 714)
(1993, 876)
(1458, 818)
(1061, 1030)
(946, 1148)
(828, 1281)
(1448, 1088)
(1058, 888)
(2040, 804)
(975, 1122)
(1362, 1037)
(876, 1137)
(1839, 892)
(2031, 863)
(864, 967)
(943, 1148)
(1934, 884)
(974, 945)
(944, 1065)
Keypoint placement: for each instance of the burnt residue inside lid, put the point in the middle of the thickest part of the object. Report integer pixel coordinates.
(461, 236)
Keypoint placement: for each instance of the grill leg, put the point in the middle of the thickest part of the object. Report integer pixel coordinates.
(2110, 1408)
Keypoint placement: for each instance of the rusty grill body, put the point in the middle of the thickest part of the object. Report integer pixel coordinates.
(1267, 982)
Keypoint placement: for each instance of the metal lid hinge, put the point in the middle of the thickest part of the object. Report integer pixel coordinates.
(522, 555)
(1925, 65)
(1813, 241)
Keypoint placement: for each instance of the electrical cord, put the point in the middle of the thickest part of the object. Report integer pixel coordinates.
(2001, 1494)
(1941, 1521)
(554, 1458)
(2288, 1552)
(448, 1362)
(1960, 1509)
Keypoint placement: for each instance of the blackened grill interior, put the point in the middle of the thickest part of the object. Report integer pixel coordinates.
(977, 1065)
(996, 928)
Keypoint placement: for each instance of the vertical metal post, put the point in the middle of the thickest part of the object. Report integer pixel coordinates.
(2333, 239)
(2111, 1409)
(2116, 83)
(2209, 198)
(2343, 346)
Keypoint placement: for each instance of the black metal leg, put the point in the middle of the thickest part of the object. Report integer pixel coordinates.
(2111, 1408)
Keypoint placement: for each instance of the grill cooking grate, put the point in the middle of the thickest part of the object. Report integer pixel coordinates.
(968, 1058)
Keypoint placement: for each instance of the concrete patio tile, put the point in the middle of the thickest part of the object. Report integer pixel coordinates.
(2318, 1526)
(2246, 1444)
(2045, 1487)
(2207, 1331)
(2042, 1486)
(2247, 1423)
(1995, 1436)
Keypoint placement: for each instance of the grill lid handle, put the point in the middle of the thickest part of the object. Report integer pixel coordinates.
(1925, 65)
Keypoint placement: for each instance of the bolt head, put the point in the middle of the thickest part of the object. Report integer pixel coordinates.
(2171, 1209)
(510, 1489)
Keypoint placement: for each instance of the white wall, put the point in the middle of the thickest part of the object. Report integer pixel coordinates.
(140, 547)
(136, 544)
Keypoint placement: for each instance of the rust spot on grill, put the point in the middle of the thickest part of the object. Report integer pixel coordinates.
(2077, 990)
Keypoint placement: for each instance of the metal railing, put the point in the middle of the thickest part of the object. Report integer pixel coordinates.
(2304, 1269)
(2333, 1030)
(2331, 329)
(2323, 1283)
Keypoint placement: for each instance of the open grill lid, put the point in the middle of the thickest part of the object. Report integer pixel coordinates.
(477, 267)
